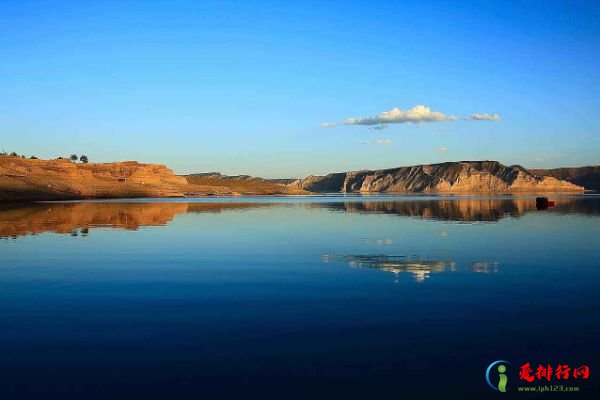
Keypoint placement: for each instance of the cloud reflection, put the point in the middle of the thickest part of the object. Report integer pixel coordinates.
(420, 268)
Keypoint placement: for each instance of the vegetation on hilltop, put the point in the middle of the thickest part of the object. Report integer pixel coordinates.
(83, 158)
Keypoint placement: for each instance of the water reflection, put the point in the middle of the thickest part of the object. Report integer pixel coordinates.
(78, 218)
(471, 209)
(378, 242)
(484, 267)
(420, 268)
(230, 286)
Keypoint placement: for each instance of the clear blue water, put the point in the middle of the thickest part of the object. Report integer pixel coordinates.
(299, 297)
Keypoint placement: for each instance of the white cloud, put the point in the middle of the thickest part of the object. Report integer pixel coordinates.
(380, 141)
(441, 149)
(416, 114)
(327, 125)
(484, 117)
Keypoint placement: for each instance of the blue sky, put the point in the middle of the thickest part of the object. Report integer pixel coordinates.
(243, 87)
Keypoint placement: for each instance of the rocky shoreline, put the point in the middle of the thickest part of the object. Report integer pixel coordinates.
(38, 180)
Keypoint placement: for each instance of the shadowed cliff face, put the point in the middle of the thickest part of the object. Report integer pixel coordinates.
(452, 177)
(588, 177)
(330, 183)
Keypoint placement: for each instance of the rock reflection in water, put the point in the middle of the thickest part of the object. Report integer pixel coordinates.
(467, 210)
(76, 219)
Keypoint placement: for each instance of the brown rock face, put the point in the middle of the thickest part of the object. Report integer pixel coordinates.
(588, 177)
(451, 177)
(244, 184)
(22, 179)
(320, 184)
(29, 180)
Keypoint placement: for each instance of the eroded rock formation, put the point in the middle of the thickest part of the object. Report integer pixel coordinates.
(27, 180)
(23, 179)
(588, 177)
(450, 177)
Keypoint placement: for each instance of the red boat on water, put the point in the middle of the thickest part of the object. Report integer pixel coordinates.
(542, 203)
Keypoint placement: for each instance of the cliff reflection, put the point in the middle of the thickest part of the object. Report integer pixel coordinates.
(76, 219)
(468, 210)
(420, 269)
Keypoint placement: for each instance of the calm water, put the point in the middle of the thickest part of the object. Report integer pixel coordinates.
(372, 297)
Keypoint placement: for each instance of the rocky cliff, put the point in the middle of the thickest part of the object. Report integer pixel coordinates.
(30, 180)
(244, 184)
(588, 177)
(24, 179)
(450, 177)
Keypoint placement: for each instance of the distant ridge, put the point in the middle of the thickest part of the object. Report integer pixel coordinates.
(218, 175)
(449, 177)
(31, 180)
(243, 184)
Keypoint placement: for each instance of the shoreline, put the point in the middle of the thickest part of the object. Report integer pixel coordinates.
(349, 195)
(26, 180)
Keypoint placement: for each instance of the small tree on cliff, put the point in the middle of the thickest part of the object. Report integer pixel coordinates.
(74, 157)
(83, 159)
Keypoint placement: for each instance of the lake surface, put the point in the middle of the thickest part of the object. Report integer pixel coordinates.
(295, 297)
